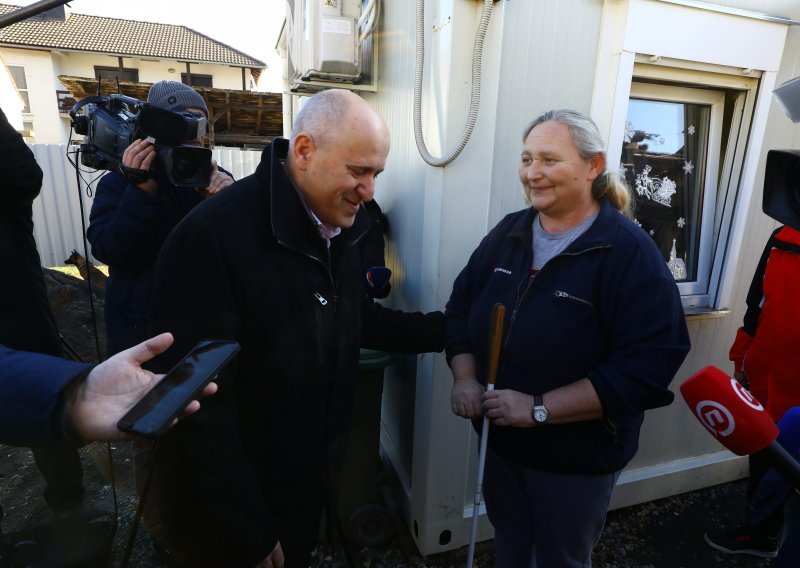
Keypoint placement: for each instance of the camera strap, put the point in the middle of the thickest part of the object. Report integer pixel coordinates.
(133, 175)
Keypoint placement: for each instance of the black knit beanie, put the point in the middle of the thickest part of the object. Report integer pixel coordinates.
(175, 96)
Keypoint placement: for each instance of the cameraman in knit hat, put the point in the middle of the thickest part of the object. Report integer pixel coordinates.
(133, 212)
(132, 215)
(179, 98)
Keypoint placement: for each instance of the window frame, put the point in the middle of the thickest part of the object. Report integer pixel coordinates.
(735, 154)
(28, 133)
(696, 291)
(26, 97)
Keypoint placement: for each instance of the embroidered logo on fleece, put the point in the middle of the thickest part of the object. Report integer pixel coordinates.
(503, 270)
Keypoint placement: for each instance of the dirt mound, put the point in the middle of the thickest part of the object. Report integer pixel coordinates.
(79, 315)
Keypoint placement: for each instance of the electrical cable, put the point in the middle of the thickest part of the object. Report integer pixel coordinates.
(366, 13)
(475, 97)
(370, 16)
(78, 179)
(86, 256)
(69, 349)
(139, 510)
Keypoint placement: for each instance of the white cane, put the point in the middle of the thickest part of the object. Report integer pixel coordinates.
(495, 340)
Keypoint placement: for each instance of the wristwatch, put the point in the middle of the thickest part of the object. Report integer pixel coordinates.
(540, 414)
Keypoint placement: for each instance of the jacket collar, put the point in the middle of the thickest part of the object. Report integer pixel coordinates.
(291, 223)
(600, 234)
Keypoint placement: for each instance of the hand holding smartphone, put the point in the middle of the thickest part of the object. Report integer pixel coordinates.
(156, 410)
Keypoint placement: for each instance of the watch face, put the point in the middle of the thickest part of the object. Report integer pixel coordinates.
(540, 414)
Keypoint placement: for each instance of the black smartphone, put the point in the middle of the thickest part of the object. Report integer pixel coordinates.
(156, 410)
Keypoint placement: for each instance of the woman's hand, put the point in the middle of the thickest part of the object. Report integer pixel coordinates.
(465, 398)
(506, 407)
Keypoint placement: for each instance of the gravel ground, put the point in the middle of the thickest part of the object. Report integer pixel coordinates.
(667, 533)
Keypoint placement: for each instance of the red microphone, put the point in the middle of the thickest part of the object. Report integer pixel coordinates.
(737, 419)
(729, 411)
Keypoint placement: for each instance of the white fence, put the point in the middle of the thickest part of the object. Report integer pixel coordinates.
(57, 211)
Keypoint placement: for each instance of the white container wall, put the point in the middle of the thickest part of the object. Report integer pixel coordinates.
(542, 55)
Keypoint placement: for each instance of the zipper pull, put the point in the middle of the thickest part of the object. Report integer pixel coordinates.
(320, 299)
(560, 294)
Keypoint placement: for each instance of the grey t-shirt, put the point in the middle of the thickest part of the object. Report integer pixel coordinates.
(547, 245)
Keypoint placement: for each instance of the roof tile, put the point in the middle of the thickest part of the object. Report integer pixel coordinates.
(116, 36)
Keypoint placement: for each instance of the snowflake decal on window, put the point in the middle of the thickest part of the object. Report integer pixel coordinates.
(681, 223)
(688, 167)
(654, 189)
(652, 232)
(628, 132)
(691, 130)
(637, 222)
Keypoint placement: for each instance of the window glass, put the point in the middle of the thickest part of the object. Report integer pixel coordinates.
(664, 161)
(116, 74)
(198, 80)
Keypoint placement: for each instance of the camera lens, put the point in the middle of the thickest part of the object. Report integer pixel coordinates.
(183, 167)
(190, 166)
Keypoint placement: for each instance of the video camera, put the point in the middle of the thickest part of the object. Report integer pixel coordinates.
(111, 123)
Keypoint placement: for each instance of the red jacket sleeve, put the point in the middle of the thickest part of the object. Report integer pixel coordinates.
(739, 348)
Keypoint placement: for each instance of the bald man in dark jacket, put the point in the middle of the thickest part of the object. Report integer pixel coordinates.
(273, 262)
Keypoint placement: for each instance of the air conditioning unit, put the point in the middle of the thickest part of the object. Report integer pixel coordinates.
(327, 39)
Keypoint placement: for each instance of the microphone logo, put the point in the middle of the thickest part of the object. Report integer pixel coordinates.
(745, 395)
(715, 417)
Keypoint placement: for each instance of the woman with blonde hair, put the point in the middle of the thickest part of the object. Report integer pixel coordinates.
(594, 334)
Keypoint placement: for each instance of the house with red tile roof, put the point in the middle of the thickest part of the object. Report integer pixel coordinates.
(36, 51)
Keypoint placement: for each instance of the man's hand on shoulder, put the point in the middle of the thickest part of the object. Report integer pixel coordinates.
(219, 181)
